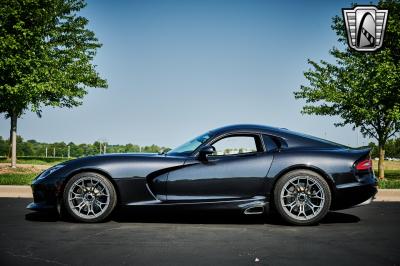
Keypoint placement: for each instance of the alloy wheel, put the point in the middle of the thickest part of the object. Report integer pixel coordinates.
(302, 198)
(88, 197)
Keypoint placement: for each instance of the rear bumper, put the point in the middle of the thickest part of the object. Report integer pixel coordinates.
(353, 194)
(368, 201)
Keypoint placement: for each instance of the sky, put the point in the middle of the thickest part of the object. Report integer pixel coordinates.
(176, 69)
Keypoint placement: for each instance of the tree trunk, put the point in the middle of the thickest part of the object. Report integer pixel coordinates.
(13, 134)
(381, 167)
(9, 145)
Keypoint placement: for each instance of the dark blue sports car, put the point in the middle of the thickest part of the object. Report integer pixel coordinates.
(250, 168)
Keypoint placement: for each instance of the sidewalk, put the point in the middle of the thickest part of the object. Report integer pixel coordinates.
(388, 195)
(26, 192)
(15, 191)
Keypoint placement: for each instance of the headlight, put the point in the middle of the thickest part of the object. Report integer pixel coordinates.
(49, 171)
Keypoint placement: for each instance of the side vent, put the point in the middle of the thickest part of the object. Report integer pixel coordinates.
(254, 210)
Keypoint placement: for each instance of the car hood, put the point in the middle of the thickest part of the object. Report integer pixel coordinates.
(112, 156)
(124, 164)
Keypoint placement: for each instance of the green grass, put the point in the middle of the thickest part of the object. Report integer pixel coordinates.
(395, 183)
(390, 174)
(35, 160)
(392, 179)
(17, 178)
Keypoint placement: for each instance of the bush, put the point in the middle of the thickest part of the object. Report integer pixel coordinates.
(387, 183)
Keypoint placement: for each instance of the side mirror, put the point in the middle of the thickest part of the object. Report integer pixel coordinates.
(206, 150)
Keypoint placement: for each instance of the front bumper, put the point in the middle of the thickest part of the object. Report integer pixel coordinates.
(43, 206)
(45, 196)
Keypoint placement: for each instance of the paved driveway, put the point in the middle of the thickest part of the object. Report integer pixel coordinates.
(365, 236)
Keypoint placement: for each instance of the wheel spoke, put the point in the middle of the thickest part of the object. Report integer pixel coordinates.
(301, 210)
(316, 197)
(99, 204)
(288, 191)
(311, 207)
(289, 195)
(76, 197)
(101, 194)
(90, 208)
(81, 205)
(295, 185)
(290, 204)
(317, 194)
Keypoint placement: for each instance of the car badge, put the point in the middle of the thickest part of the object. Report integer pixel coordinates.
(365, 26)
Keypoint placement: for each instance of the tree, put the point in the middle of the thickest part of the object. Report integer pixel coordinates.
(3, 146)
(46, 56)
(361, 88)
(392, 148)
(374, 150)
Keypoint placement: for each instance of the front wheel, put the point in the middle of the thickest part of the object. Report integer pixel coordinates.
(302, 197)
(89, 197)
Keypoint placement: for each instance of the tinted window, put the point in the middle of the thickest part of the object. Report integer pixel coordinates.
(235, 145)
(269, 143)
(188, 147)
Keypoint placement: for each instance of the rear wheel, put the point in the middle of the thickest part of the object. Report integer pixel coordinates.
(302, 197)
(89, 197)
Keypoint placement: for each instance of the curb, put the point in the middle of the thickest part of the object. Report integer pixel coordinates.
(7, 191)
(387, 195)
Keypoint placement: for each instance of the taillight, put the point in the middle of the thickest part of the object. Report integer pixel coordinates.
(364, 165)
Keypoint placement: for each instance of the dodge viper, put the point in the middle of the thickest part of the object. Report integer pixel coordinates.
(250, 168)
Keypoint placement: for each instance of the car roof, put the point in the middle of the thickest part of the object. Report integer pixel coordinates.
(246, 127)
(292, 138)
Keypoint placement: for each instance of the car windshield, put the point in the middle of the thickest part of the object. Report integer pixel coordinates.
(190, 146)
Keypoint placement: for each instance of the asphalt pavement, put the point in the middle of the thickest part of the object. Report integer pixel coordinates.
(368, 235)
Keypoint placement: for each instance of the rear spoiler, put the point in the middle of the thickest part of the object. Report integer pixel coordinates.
(360, 154)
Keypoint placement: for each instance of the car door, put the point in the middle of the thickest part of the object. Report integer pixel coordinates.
(237, 170)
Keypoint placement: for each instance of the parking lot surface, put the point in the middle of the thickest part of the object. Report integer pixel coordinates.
(366, 235)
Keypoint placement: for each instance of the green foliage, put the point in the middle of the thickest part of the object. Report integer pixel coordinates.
(32, 151)
(392, 148)
(4, 145)
(361, 88)
(46, 55)
(391, 174)
(374, 150)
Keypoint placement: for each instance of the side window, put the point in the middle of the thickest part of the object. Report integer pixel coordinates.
(236, 145)
(269, 143)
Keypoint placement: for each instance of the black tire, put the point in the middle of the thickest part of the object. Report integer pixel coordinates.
(302, 197)
(106, 185)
